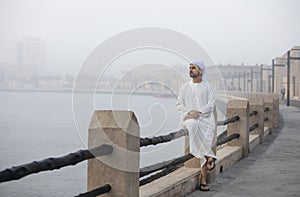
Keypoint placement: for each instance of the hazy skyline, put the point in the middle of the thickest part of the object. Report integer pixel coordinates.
(233, 32)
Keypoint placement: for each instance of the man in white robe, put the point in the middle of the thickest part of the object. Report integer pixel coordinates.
(195, 103)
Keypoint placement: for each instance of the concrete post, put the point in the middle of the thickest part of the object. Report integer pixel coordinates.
(269, 102)
(257, 104)
(239, 108)
(276, 110)
(121, 168)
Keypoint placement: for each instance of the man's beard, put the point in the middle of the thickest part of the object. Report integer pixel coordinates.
(192, 75)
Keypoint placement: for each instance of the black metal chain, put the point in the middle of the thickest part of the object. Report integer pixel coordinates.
(18, 172)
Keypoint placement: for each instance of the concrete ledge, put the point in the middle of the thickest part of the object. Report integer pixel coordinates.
(253, 141)
(227, 156)
(295, 102)
(179, 183)
(185, 180)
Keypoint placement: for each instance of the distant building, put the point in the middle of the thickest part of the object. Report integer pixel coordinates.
(237, 78)
(280, 73)
(30, 56)
(2, 74)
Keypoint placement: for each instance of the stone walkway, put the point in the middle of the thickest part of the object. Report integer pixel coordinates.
(272, 169)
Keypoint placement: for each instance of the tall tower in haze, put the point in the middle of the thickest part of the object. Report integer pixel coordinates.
(31, 56)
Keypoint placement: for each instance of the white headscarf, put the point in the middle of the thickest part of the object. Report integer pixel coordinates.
(200, 65)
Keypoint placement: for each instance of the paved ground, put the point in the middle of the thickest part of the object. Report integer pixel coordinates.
(272, 169)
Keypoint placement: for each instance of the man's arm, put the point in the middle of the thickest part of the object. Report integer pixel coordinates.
(181, 108)
(209, 107)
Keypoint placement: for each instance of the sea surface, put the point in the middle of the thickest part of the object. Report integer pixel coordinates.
(38, 125)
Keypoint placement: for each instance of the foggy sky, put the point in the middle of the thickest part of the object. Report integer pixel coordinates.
(231, 31)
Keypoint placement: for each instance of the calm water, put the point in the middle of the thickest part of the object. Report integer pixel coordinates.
(36, 125)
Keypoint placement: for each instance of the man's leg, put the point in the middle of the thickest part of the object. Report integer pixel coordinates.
(203, 185)
(210, 164)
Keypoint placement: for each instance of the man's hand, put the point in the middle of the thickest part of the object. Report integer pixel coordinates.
(192, 114)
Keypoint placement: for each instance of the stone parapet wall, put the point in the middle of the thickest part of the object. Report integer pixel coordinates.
(121, 130)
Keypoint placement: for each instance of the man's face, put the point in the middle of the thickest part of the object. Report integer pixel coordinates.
(194, 71)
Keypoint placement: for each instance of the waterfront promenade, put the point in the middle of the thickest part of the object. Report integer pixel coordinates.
(271, 169)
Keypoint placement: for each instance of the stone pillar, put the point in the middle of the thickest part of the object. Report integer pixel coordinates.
(120, 169)
(239, 108)
(269, 102)
(257, 104)
(276, 110)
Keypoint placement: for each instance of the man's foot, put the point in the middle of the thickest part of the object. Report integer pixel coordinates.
(211, 164)
(204, 187)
